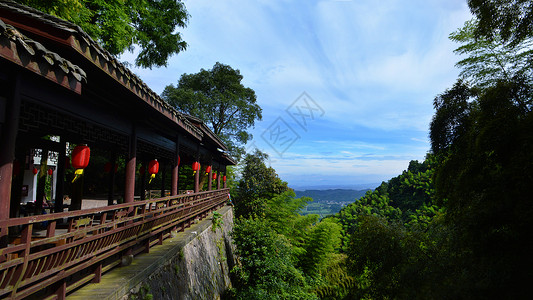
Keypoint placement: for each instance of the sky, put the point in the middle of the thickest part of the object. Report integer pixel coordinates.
(346, 86)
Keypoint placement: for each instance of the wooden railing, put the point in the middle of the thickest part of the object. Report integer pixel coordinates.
(57, 253)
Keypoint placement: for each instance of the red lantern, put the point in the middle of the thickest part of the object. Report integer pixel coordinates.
(224, 178)
(16, 168)
(179, 160)
(153, 168)
(50, 172)
(195, 167)
(35, 171)
(207, 170)
(80, 159)
(214, 176)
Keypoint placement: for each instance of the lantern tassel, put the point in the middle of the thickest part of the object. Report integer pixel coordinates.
(151, 177)
(77, 173)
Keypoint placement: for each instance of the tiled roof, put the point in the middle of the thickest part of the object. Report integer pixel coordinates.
(14, 40)
(91, 50)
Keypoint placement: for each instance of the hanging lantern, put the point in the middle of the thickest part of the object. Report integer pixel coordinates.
(80, 160)
(207, 170)
(224, 178)
(195, 167)
(35, 171)
(16, 168)
(153, 168)
(141, 170)
(214, 176)
(179, 160)
(50, 172)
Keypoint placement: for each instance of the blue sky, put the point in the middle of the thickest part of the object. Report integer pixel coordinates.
(346, 86)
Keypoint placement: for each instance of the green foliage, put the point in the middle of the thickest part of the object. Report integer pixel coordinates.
(320, 243)
(267, 268)
(336, 283)
(484, 181)
(217, 221)
(118, 25)
(490, 60)
(510, 19)
(218, 98)
(258, 184)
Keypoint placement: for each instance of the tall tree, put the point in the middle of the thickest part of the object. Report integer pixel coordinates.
(218, 97)
(119, 25)
(489, 60)
(258, 184)
(512, 20)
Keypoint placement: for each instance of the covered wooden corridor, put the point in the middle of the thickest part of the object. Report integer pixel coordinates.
(59, 91)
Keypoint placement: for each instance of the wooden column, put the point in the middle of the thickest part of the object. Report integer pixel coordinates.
(142, 188)
(60, 176)
(175, 170)
(17, 182)
(8, 138)
(129, 190)
(225, 186)
(197, 181)
(218, 179)
(162, 169)
(41, 182)
(111, 180)
(210, 179)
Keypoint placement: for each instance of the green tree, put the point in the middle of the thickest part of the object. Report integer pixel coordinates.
(267, 268)
(218, 98)
(119, 25)
(257, 185)
(512, 20)
(489, 60)
(484, 181)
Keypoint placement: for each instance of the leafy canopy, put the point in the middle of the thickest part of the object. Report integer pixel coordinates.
(118, 25)
(512, 20)
(218, 98)
(489, 60)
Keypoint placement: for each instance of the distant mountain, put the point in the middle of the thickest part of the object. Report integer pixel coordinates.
(359, 186)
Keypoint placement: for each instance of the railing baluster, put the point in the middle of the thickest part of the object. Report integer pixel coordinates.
(89, 232)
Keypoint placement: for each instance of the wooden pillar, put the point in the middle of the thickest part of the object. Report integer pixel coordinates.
(197, 181)
(129, 190)
(225, 186)
(218, 179)
(60, 176)
(41, 183)
(175, 170)
(76, 194)
(210, 179)
(142, 189)
(162, 168)
(17, 182)
(197, 174)
(8, 138)
(111, 180)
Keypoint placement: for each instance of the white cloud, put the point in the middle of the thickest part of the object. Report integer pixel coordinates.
(371, 65)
